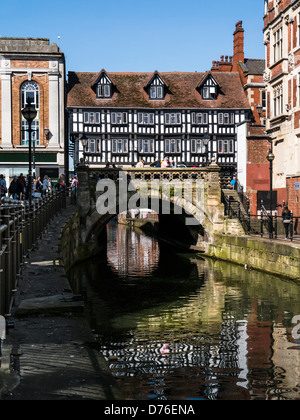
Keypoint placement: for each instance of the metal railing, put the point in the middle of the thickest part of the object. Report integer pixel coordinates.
(264, 224)
(21, 226)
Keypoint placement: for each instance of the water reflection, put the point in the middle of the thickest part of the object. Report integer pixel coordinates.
(178, 327)
(129, 254)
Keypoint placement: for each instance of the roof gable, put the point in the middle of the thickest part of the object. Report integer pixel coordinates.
(102, 78)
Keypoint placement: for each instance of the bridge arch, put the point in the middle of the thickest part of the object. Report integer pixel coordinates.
(196, 214)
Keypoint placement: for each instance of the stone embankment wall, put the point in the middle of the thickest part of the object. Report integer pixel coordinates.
(274, 257)
(72, 249)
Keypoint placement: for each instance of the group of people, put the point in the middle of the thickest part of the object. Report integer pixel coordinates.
(19, 187)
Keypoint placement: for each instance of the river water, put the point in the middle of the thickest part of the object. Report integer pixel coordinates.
(175, 326)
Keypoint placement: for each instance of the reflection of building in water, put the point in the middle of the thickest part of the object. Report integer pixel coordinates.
(130, 254)
(286, 360)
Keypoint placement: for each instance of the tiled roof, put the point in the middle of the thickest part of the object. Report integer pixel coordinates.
(253, 66)
(130, 91)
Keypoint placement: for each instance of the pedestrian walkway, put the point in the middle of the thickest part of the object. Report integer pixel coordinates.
(51, 354)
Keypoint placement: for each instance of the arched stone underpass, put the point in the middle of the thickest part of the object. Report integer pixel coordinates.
(190, 211)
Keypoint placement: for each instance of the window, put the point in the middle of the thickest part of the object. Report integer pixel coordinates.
(226, 118)
(104, 90)
(145, 118)
(156, 92)
(92, 118)
(278, 100)
(278, 45)
(225, 146)
(146, 146)
(120, 146)
(92, 146)
(173, 118)
(198, 147)
(30, 90)
(119, 118)
(172, 146)
(199, 118)
(209, 92)
(266, 6)
(35, 126)
(263, 98)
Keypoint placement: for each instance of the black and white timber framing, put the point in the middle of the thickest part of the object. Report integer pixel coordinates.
(123, 136)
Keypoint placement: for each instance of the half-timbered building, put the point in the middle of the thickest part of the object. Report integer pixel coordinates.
(190, 118)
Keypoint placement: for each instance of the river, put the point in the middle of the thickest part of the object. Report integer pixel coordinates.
(174, 326)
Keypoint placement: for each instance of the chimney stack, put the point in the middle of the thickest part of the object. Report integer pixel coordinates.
(238, 45)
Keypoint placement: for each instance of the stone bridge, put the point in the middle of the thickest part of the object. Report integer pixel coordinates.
(187, 200)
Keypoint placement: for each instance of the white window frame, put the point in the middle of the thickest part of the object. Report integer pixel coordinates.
(226, 147)
(173, 118)
(278, 100)
(119, 118)
(35, 126)
(104, 90)
(278, 44)
(145, 118)
(172, 146)
(92, 118)
(120, 145)
(146, 146)
(197, 147)
(156, 92)
(200, 118)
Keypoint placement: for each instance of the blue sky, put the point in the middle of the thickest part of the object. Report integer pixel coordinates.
(135, 35)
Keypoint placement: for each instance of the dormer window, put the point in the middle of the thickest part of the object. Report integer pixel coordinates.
(209, 89)
(156, 87)
(104, 91)
(156, 92)
(103, 86)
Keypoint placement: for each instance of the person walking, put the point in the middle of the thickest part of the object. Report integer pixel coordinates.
(60, 186)
(22, 183)
(3, 188)
(14, 188)
(286, 218)
(74, 186)
(46, 185)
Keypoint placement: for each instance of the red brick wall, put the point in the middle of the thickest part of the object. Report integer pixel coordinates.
(16, 107)
(293, 195)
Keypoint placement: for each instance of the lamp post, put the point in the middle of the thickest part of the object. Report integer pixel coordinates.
(84, 140)
(29, 113)
(205, 140)
(271, 158)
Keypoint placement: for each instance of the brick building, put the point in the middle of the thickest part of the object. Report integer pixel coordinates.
(252, 142)
(32, 68)
(282, 77)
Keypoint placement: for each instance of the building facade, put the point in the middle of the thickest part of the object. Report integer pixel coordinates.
(127, 117)
(32, 68)
(282, 77)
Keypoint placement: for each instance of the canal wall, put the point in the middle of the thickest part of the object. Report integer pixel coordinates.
(275, 257)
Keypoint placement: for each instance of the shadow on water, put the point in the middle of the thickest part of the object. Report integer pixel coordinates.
(175, 326)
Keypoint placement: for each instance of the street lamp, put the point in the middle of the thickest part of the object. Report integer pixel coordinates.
(85, 141)
(205, 140)
(271, 158)
(29, 113)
